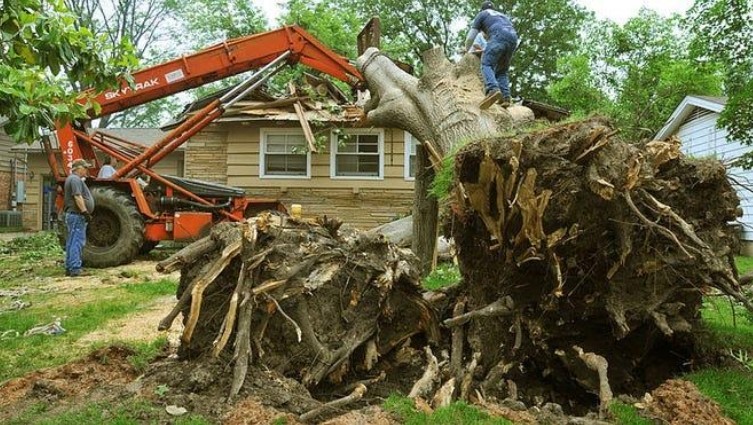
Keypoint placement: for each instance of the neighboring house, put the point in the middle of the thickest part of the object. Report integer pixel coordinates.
(39, 209)
(362, 175)
(12, 173)
(694, 122)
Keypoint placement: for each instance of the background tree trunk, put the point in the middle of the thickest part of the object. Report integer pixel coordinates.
(425, 213)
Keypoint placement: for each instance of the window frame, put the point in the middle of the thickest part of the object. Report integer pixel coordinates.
(263, 133)
(410, 143)
(379, 132)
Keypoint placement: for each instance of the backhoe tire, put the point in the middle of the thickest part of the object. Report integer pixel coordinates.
(115, 234)
(147, 247)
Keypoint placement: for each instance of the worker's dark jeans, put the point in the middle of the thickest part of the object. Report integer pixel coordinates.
(495, 61)
(74, 244)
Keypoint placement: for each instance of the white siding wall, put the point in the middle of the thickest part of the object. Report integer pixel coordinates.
(700, 138)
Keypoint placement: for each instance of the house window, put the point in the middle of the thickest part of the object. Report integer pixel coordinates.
(410, 156)
(358, 154)
(284, 154)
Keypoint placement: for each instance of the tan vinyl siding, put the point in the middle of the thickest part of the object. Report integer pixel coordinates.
(5, 154)
(360, 202)
(170, 164)
(366, 209)
(32, 209)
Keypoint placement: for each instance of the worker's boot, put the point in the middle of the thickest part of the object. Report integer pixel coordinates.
(505, 102)
(491, 98)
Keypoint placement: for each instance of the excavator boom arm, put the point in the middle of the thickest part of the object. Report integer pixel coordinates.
(224, 60)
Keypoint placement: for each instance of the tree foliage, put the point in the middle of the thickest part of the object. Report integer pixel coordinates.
(409, 28)
(206, 22)
(43, 47)
(145, 24)
(640, 71)
(577, 88)
(548, 30)
(723, 32)
(335, 28)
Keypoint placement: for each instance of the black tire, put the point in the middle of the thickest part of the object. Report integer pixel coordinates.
(147, 247)
(115, 234)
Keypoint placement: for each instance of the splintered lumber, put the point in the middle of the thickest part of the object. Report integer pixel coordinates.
(302, 298)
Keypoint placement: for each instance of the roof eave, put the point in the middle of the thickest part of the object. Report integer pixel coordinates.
(683, 110)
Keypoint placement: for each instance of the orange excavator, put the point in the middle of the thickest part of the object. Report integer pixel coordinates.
(131, 217)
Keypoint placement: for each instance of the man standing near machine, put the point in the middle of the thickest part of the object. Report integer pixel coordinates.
(78, 206)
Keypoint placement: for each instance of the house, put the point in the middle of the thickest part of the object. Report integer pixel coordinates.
(360, 174)
(695, 123)
(39, 208)
(12, 172)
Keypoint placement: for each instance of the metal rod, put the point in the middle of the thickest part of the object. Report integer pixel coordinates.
(253, 87)
(130, 165)
(254, 77)
(183, 137)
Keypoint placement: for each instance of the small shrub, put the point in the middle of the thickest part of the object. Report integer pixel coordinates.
(444, 275)
(161, 390)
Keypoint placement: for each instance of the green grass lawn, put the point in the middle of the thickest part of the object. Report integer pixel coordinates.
(625, 414)
(730, 329)
(744, 264)
(124, 412)
(80, 314)
(458, 413)
(732, 389)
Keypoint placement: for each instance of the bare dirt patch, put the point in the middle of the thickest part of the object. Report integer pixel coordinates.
(137, 271)
(678, 402)
(104, 368)
(141, 326)
(250, 411)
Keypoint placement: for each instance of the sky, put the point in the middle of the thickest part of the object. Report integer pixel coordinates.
(616, 10)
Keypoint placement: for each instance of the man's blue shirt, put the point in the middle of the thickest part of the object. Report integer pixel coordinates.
(490, 21)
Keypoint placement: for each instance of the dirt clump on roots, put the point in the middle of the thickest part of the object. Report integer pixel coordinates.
(678, 402)
(601, 251)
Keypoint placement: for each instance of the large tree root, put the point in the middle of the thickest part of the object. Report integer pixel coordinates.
(306, 297)
(601, 244)
(566, 237)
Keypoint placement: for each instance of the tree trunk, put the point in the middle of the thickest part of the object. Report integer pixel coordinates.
(425, 213)
(441, 107)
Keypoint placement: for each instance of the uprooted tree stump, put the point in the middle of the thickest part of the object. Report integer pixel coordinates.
(600, 248)
(584, 259)
(306, 299)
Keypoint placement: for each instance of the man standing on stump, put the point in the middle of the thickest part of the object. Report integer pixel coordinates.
(78, 206)
(501, 42)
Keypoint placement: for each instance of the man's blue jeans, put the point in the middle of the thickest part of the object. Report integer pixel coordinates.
(74, 244)
(495, 61)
